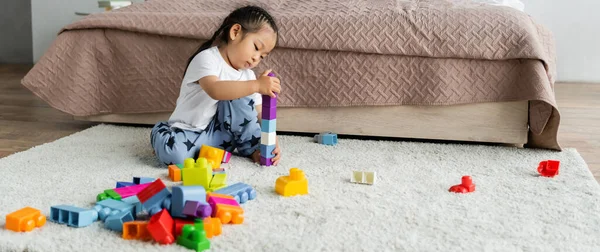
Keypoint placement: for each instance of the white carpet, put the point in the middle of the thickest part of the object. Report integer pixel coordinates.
(409, 209)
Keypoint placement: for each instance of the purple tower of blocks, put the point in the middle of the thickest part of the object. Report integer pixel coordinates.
(268, 124)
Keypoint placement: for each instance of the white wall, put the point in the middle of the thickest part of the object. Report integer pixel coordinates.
(576, 28)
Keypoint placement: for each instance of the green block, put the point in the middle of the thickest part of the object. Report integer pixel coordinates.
(108, 194)
(180, 166)
(194, 237)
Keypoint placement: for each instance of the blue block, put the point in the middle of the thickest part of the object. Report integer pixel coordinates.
(266, 151)
(268, 126)
(181, 194)
(142, 180)
(326, 138)
(135, 202)
(73, 216)
(240, 191)
(154, 204)
(124, 184)
(115, 222)
(109, 207)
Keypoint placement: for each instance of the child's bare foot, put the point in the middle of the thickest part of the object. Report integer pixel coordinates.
(255, 156)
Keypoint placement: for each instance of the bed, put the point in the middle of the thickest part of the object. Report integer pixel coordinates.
(437, 69)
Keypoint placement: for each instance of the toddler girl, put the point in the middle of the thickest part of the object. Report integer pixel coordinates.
(220, 98)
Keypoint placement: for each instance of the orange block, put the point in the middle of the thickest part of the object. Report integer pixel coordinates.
(174, 173)
(212, 226)
(294, 184)
(213, 155)
(136, 230)
(229, 213)
(25, 219)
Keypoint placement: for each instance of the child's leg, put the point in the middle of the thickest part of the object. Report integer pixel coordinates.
(239, 118)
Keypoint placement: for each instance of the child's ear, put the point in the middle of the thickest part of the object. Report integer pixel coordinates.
(235, 31)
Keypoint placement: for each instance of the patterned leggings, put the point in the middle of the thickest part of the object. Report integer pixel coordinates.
(235, 125)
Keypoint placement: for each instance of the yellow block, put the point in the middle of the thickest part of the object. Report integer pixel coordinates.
(213, 155)
(293, 184)
(199, 174)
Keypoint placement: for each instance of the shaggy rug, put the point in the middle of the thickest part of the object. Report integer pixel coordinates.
(408, 209)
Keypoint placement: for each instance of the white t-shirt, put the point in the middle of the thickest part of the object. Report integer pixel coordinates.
(195, 108)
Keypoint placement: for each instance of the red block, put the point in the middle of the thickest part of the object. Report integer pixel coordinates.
(549, 168)
(161, 227)
(151, 190)
(179, 225)
(466, 186)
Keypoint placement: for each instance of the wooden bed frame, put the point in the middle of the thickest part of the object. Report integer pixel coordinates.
(498, 122)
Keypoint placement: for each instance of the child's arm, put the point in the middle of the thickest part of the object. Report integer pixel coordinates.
(231, 90)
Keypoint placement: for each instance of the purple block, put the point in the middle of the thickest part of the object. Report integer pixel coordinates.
(197, 209)
(268, 102)
(269, 113)
(265, 161)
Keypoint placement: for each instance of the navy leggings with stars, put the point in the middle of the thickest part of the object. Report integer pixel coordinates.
(234, 126)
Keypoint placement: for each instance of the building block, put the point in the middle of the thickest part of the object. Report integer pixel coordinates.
(161, 227)
(194, 237)
(110, 207)
(197, 209)
(135, 202)
(182, 194)
(212, 226)
(326, 138)
(266, 151)
(115, 222)
(269, 113)
(153, 196)
(129, 191)
(219, 180)
(239, 191)
(25, 219)
(214, 156)
(268, 138)
(466, 186)
(136, 230)
(225, 208)
(293, 184)
(268, 126)
(143, 180)
(199, 174)
(72, 216)
(363, 177)
(226, 157)
(174, 173)
(220, 170)
(549, 168)
(179, 223)
(108, 194)
(266, 161)
(124, 184)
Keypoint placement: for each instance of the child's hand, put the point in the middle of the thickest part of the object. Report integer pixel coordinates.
(268, 85)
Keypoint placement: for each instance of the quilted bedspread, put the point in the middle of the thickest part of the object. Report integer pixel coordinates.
(330, 53)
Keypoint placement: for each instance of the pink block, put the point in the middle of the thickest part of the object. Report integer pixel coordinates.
(129, 191)
(226, 157)
(213, 201)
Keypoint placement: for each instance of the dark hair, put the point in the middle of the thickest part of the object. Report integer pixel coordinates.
(251, 18)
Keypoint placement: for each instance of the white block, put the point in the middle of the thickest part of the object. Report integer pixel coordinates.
(362, 177)
(267, 138)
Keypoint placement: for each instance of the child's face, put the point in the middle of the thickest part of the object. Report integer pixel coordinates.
(246, 53)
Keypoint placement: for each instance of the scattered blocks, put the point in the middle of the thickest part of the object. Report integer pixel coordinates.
(326, 138)
(549, 168)
(239, 191)
(225, 208)
(115, 222)
(161, 227)
(25, 219)
(182, 194)
(466, 186)
(363, 177)
(136, 230)
(153, 196)
(294, 184)
(110, 207)
(194, 237)
(72, 216)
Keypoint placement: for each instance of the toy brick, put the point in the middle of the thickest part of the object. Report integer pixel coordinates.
(363, 177)
(269, 113)
(197, 209)
(220, 170)
(293, 184)
(215, 200)
(194, 237)
(228, 213)
(136, 230)
(226, 157)
(143, 180)
(266, 151)
(179, 223)
(268, 126)
(218, 181)
(266, 161)
(326, 138)
(241, 192)
(108, 194)
(109, 207)
(154, 204)
(199, 175)
(129, 191)
(166, 204)
(152, 189)
(174, 173)
(25, 219)
(161, 227)
(214, 156)
(466, 186)
(181, 194)
(124, 184)
(268, 138)
(135, 202)
(212, 226)
(115, 222)
(549, 168)
(72, 216)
